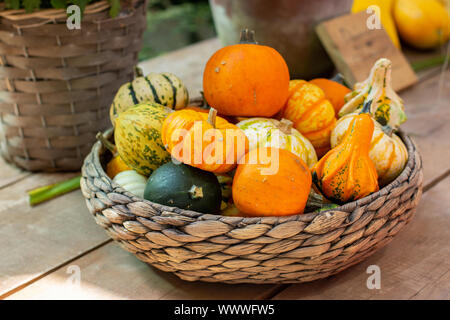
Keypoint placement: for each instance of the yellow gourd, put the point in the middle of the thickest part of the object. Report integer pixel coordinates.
(423, 24)
(385, 15)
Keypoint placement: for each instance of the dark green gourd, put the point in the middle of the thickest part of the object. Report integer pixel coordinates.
(185, 187)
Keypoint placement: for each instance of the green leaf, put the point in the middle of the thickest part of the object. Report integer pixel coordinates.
(13, 4)
(115, 8)
(31, 5)
(59, 4)
(81, 3)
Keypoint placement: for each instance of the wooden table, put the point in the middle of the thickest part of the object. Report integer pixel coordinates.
(43, 248)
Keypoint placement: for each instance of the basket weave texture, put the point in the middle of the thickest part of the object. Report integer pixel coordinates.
(214, 248)
(56, 84)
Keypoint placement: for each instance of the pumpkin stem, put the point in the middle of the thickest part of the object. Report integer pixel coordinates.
(247, 36)
(285, 126)
(339, 78)
(196, 192)
(106, 143)
(388, 130)
(212, 117)
(138, 72)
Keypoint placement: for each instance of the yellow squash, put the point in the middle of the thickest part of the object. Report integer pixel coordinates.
(385, 15)
(423, 24)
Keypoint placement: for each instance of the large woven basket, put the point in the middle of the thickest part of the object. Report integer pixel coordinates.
(216, 248)
(56, 84)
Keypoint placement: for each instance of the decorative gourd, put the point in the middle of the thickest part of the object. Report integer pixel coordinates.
(388, 153)
(226, 183)
(264, 132)
(246, 79)
(204, 140)
(346, 172)
(312, 114)
(423, 24)
(162, 88)
(385, 105)
(116, 164)
(138, 137)
(385, 8)
(185, 187)
(276, 185)
(131, 181)
(334, 92)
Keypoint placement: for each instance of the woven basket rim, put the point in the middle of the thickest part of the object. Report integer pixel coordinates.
(48, 15)
(98, 148)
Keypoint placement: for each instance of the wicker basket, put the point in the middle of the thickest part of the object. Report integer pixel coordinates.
(216, 248)
(56, 84)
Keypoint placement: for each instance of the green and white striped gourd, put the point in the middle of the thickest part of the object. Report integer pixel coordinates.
(264, 132)
(163, 88)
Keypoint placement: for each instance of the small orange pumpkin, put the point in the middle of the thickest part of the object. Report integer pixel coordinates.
(346, 172)
(334, 92)
(262, 189)
(203, 140)
(246, 79)
(312, 114)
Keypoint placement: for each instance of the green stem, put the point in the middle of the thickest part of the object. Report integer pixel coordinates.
(427, 63)
(45, 193)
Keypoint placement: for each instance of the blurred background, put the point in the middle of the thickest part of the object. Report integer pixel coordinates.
(173, 24)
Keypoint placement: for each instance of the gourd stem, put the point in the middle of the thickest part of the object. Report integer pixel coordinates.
(138, 72)
(212, 117)
(247, 36)
(285, 126)
(107, 144)
(388, 130)
(366, 108)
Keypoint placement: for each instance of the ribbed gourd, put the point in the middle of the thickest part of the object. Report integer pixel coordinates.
(162, 88)
(138, 137)
(204, 140)
(264, 132)
(312, 114)
(346, 173)
(386, 106)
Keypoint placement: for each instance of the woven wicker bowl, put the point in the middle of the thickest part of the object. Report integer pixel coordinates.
(216, 248)
(56, 84)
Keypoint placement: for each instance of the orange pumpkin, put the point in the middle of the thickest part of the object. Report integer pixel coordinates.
(246, 79)
(203, 140)
(346, 172)
(334, 92)
(312, 114)
(276, 185)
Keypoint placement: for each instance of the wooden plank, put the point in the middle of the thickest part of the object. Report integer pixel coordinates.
(10, 174)
(35, 240)
(112, 273)
(427, 108)
(354, 48)
(187, 63)
(415, 265)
